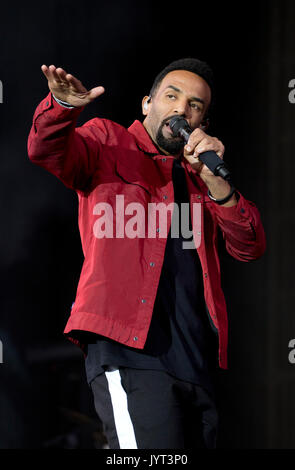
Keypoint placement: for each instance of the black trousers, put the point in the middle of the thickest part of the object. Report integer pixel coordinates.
(150, 409)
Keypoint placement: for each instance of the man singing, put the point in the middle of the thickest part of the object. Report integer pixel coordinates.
(149, 311)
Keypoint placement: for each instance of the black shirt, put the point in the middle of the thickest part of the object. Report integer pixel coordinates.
(181, 339)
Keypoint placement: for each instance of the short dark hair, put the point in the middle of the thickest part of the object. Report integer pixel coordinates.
(190, 64)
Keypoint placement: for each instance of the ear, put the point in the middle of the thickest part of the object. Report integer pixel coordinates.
(204, 124)
(145, 105)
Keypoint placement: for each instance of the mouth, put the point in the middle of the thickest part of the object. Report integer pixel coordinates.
(167, 127)
(166, 140)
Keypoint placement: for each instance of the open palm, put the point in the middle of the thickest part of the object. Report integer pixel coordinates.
(68, 88)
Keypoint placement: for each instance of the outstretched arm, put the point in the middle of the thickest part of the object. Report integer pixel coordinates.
(54, 142)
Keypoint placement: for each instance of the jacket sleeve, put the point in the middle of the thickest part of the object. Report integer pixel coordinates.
(69, 153)
(242, 229)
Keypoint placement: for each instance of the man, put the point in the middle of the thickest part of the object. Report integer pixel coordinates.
(149, 309)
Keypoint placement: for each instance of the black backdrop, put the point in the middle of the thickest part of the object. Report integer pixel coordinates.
(44, 401)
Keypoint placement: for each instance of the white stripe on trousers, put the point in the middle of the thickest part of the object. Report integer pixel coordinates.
(123, 423)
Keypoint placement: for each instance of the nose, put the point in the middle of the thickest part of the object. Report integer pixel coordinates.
(183, 109)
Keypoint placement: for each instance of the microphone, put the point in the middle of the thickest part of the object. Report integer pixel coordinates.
(181, 128)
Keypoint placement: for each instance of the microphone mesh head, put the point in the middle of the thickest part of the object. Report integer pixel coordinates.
(177, 123)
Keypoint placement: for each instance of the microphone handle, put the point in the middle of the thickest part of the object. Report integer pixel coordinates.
(210, 159)
(215, 164)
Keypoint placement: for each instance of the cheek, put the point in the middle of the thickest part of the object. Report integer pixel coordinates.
(155, 121)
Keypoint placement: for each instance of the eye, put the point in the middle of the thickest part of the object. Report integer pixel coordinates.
(170, 96)
(195, 106)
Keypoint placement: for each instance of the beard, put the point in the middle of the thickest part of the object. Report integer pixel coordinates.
(172, 145)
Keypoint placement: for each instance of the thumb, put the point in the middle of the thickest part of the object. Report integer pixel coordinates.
(96, 92)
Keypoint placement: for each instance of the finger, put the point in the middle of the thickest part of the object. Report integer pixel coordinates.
(198, 147)
(219, 148)
(44, 68)
(95, 92)
(62, 74)
(75, 83)
(195, 138)
(201, 148)
(197, 164)
(191, 145)
(46, 71)
(50, 73)
(220, 154)
(54, 74)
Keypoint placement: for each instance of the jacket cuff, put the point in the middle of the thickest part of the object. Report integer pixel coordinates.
(49, 108)
(64, 104)
(234, 213)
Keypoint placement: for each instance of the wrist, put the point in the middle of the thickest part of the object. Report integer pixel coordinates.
(220, 191)
(62, 103)
(227, 201)
(218, 187)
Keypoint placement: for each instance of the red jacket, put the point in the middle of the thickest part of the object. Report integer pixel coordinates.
(120, 276)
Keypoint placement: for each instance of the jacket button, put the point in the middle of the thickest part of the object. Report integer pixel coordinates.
(158, 230)
(198, 197)
(165, 197)
(206, 275)
(243, 211)
(164, 159)
(152, 264)
(135, 338)
(47, 103)
(143, 301)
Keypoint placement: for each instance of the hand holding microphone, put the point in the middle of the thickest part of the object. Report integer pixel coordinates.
(214, 165)
(180, 127)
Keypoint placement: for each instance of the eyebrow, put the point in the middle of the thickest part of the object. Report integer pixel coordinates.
(193, 98)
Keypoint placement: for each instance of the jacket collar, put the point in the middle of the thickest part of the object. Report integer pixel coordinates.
(145, 144)
(143, 140)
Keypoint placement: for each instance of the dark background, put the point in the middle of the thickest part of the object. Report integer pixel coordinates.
(44, 399)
